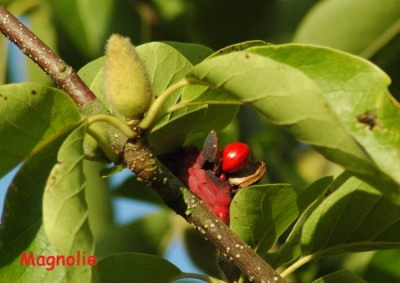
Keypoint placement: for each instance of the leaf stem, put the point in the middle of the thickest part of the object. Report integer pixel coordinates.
(98, 133)
(296, 265)
(125, 129)
(154, 111)
(188, 104)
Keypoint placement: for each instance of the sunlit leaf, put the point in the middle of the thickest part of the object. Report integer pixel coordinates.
(355, 217)
(135, 267)
(260, 214)
(29, 115)
(291, 249)
(23, 214)
(65, 213)
(195, 53)
(238, 47)
(287, 94)
(352, 87)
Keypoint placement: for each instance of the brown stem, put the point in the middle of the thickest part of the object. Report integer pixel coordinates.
(63, 75)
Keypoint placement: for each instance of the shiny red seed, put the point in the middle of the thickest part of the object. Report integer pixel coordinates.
(235, 157)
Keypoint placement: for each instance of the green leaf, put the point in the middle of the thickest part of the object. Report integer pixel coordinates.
(193, 52)
(86, 26)
(291, 249)
(238, 47)
(30, 114)
(150, 234)
(352, 87)
(355, 217)
(65, 213)
(39, 246)
(166, 66)
(342, 276)
(260, 214)
(287, 98)
(23, 214)
(90, 71)
(135, 267)
(342, 24)
(315, 94)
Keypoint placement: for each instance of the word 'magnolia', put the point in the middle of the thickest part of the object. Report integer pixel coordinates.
(50, 261)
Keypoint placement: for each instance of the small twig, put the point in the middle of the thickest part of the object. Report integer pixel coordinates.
(63, 75)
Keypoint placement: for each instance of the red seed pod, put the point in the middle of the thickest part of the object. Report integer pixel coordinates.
(235, 157)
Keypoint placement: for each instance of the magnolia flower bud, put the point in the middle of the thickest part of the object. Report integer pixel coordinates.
(127, 83)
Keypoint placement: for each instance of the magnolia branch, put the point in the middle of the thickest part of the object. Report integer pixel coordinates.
(61, 73)
(174, 194)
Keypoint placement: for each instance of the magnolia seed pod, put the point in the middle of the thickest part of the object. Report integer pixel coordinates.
(127, 83)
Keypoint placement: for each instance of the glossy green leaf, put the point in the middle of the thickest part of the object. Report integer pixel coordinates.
(98, 198)
(135, 267)
(260, 214)
(150, 234)
(90, 70)
(343, 24)
(287, 94)
(352, 87)
(355, 217)
(193, 52)
(29, 115)
(23, 214)
(166, 66)
(238, 47)
(65, 213)
(291, 249)
(296, 103)
(85, 21)
(342, 276)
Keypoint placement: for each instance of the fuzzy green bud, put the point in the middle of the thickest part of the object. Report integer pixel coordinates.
(127, 83)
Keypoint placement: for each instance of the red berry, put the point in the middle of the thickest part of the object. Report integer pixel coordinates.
(235, 157)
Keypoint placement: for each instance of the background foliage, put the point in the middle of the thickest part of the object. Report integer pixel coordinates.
(367, 28)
